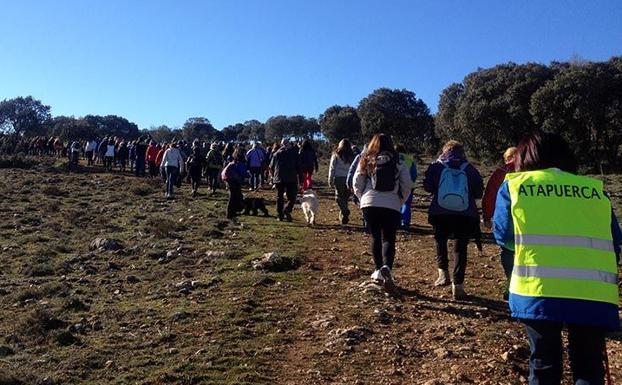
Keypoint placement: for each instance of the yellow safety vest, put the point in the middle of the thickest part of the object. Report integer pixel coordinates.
(563, 242)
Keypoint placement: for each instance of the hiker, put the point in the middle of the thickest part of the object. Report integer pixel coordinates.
(140, 150)
(195, 167)
(234, 174)
(150, 157)
(350, 180)
(455, 185)
(567, 244)
(213, 166)
(89, 149)
(122, 155)
(74, 154)
(409, 161)
(173, 164)
(255, 158)
(380, 182)
(488, 208)
(109, 155)
(340, 163)
(285, 167)
(308, 164)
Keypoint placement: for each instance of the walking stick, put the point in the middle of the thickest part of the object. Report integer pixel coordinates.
(607, 371)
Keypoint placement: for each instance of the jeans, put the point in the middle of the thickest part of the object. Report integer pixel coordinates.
(586, 345)
(255, 177)
(342, 196)
(234, 206)
(290, 190)
(446, 226)
(172, 173)
(406, 210)
(382, 224)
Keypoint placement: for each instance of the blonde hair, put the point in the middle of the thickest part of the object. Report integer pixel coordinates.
(509, 154)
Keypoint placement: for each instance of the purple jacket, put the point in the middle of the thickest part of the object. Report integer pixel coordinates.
(432, 179)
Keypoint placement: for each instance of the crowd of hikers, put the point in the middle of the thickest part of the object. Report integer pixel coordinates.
(558, 236)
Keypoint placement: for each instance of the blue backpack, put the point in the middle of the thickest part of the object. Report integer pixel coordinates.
(453, 188)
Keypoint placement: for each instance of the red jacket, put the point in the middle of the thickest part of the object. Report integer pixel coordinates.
(152, 153)
(158, 159)
(490, 193)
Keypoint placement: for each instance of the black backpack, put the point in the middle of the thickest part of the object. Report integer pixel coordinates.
(383, 179)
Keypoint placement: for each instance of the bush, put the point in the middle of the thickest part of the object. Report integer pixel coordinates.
(39, 323)
(17, 161)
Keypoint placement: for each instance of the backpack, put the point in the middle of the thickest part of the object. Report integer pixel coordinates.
(383, 179)
(453, 188)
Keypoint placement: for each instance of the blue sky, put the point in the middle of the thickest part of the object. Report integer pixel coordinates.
(160, 62)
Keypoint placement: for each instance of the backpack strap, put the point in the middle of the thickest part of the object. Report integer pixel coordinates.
(463, 166)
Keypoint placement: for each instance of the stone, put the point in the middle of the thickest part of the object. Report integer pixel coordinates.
(106, 244)
(275, 263)
(6, 351)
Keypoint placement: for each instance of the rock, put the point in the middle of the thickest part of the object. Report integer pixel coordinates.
(441, 353)
(65, 338)
(180, 315)
(106, 244)
(6, 351)
(264, 281)
(132, 279)
(275, 263)
(353, 335)
(505, 356)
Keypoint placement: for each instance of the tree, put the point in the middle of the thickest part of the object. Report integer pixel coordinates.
(398, 113)
(254, 130)
(24, 116)
(198, 128)
(583, 103)
(277, 127)
(111, 125)
(164, 133)
(444, 126)
(70, 128)
(339, 122)
(234, 132)
(493, 111)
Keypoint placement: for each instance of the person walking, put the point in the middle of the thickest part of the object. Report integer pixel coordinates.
(110, 154)
(140, 150)
(173, 164)
(409, 161)
(455, 185)
(213, 166)
(308, 164)
(234, 174)
(488, 208)
(150, 157)
(338, 169)
(382, 184)
(89, 149)
(567, 244)
(255, 158)
(195, 168)
(285, 167)
(122, 155)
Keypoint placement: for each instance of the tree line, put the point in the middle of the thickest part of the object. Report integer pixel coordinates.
(491, 109)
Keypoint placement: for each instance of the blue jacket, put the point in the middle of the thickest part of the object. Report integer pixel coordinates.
(553, 309)
(352, 170)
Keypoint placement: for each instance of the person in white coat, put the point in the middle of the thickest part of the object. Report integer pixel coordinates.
(382, 184)
(173, 164)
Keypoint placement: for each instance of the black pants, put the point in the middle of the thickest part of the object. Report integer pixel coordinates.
(586, 345)
(153, 169)
(290, 190)
(452, 226)
(236, 200)
(140, 167)
(212, 178)
(89, 157)
(382, 224)
(255, 177)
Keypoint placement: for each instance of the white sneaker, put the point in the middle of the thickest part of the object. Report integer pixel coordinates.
(376, 276)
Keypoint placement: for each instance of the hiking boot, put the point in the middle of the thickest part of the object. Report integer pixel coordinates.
(288, 217)
(376, 276)
(443, 278)
(345, 220)
(458, 292)
(389, 284)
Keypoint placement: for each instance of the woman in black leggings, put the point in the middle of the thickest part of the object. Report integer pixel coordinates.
(379, 182)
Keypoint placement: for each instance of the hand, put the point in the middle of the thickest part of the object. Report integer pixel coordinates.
(488, 224)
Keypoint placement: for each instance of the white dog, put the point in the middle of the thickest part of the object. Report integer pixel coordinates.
(310, 204)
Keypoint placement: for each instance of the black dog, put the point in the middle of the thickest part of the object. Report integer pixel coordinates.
(254, 205)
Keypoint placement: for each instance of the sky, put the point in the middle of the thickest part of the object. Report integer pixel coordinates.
(160, 62)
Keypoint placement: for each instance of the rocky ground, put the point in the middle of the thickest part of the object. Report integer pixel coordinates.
(104, 281)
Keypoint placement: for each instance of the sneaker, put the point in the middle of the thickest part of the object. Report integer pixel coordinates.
(458, 292)
(376, 276)
(279, 218)
(443, 278)
(389, 284)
